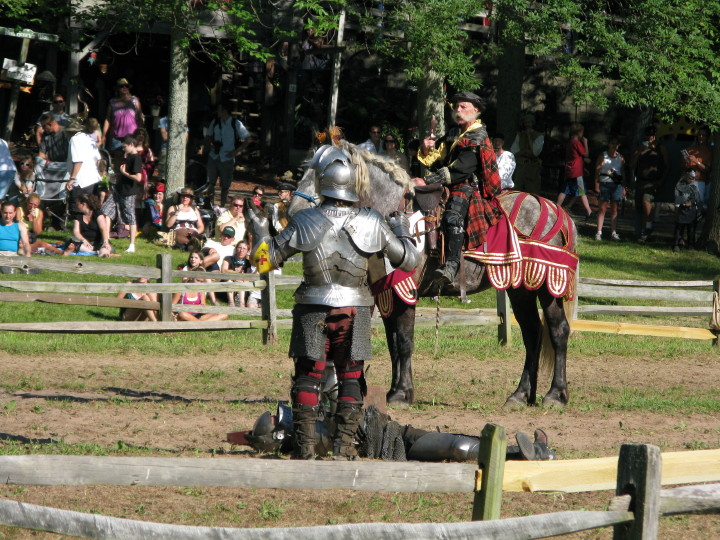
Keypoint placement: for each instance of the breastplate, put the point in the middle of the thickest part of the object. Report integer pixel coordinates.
(335, 271)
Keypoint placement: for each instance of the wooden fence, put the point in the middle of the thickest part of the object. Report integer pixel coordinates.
(272, 318)
(80, 293)
(665, 291)
(637, 477)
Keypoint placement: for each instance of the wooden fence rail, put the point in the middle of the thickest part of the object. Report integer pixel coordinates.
(633, 512)
(77, 294)
(665, 291)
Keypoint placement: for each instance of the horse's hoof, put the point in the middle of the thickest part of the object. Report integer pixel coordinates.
(552, 400)
(513, 403)
(400, 398)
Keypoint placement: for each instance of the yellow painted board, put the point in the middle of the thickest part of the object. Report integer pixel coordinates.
(597, 474)
(610, 327)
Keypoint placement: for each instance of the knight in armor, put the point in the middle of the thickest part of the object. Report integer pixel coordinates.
(464, 161)
(331, 318)
(380, 437)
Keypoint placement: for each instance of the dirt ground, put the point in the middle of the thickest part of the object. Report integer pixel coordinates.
(185, 407)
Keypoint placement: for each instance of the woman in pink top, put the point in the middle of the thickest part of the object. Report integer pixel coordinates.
(576, 155)
(123, 116)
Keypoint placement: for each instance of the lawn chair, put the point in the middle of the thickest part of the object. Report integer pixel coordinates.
(50, 182)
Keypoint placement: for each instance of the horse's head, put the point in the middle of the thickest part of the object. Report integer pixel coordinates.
(379, 183)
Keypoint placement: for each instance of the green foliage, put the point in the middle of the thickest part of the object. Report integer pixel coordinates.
(427, 36)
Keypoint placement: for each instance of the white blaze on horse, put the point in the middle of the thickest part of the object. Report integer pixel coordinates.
(531, 254)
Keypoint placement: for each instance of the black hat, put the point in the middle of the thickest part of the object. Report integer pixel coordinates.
(286, 186)
(469, 97)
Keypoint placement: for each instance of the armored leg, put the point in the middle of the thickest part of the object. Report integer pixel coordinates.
(348, 415)
(347, 420)
(305, 392)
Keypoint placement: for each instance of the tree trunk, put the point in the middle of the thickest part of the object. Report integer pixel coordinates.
(711, 232)
(511, 72)
(178, 111)
(430, 102)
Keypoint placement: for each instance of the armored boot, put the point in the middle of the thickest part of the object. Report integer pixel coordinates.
(538, 450)
(223, 196)
(445, 274)
(304, 422)
(347, 421)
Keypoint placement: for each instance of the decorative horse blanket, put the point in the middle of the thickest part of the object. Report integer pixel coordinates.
(513, 257)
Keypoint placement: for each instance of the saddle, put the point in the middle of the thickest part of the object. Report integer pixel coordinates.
(429, 200)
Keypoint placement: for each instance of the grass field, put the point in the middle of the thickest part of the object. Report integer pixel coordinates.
(179, 394)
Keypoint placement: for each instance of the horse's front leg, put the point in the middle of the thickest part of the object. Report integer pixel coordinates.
(400, 334)
(525, 310)
(559, 332)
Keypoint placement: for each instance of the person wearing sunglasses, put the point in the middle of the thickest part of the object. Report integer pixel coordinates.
(24, 180)
(392, 152)
(57, 108)
(374, 143)
(232, 217)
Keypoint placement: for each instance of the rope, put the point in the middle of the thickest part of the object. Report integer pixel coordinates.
(437, 323)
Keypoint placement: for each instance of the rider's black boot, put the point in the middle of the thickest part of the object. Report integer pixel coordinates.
(445, 274)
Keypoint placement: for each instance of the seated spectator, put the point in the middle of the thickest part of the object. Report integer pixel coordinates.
(195, 260)
(87, 237)
(239, 262)
(184, 218)
(146, 154)
(195, 299)
(233, 217)
(13, 234)
(136, 314)
(32, 216)
(154, 210)
(24, 181)
(216, 252)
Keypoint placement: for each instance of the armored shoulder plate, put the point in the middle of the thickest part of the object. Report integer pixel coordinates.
(368, 230)
(308, 230)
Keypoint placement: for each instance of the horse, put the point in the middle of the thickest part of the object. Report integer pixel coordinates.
(383, 185)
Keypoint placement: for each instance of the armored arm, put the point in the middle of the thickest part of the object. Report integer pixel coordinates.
(400, 250)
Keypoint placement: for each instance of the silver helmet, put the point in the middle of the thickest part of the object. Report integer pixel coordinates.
(336, 173)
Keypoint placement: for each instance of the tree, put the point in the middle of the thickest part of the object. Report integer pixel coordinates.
(662, 55)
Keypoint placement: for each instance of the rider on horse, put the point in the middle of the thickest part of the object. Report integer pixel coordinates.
(464, 161)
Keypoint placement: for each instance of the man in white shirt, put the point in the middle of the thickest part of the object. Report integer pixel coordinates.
(214, 253)
(505, 162)
(226, 137)
(83, 158)
(373, 144)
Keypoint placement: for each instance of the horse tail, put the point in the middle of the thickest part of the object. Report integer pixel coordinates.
(546, 358)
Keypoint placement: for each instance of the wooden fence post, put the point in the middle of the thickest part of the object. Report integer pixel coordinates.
(491, 459)
(269, 308)
(503, 311)
(639, 469)
(165, 264)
